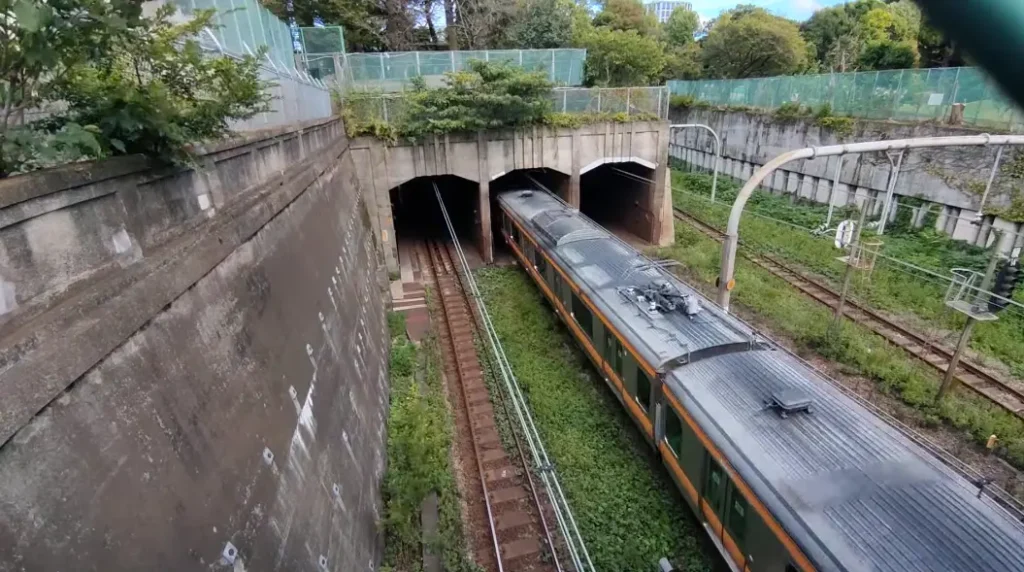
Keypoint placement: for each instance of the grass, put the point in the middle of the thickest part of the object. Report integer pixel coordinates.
(891, 287)
(856, 348)
(419, 441)
(627, 508)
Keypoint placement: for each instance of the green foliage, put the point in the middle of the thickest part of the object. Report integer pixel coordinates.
(682, 101)
(681, 26)
(156, 92)
(888, 55)
(540, 24)
(419, 440)
(627, 508)
(625, 15)
(117, 82)
(841, 126)
(28, 149)
(621, 58)
(753, 43)
(791, 110)
(683, 62)
(868, 34)
(487, 96)
(577, 120)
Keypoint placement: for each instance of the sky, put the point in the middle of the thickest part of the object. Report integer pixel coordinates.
(794, 9)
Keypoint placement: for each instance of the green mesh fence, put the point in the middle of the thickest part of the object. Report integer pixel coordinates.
(906, 95)
(392, 71)
(322, 40)
(243, 27)
(642, 103)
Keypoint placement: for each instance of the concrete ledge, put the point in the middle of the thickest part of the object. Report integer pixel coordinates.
(63, 227)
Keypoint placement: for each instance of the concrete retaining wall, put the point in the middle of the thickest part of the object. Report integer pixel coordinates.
(193, 363)
(950, 179)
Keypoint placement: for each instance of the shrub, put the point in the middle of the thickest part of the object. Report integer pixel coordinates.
(156, 92)
(118, 83)
(682, 101)
(790, 111)
(841, 126)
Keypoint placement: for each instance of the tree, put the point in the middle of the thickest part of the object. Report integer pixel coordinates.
(681, 26)
(627, 15)
(683, 62)
(890, 37)
(753, 43)
(540, 24)
(622, 58)
(835, 34)
(364, 21)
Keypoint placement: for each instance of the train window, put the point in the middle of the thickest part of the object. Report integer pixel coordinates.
(643, 388)
(515, 234)
(620, 355)
(582, 315)
(714, 488)
(674, 432)
(791, 567)
(540, 262)
(737, 521)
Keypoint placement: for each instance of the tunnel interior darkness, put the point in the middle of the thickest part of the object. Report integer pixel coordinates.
(617, 195)
(417, 216)
(554, 181)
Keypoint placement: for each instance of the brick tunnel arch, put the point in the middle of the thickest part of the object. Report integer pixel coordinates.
(416, 216)
(621, 197)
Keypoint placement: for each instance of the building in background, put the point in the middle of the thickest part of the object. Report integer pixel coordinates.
(663, 8)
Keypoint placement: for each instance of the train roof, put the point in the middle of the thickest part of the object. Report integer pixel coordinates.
(606, 269)
(852, 490)
(867, 497)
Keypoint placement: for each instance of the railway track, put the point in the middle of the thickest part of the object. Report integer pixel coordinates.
(509, 508)
(971, 375)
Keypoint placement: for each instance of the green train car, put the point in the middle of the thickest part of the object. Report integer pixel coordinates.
(785, 471)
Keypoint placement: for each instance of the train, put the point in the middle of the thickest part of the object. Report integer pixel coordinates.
(784, 471)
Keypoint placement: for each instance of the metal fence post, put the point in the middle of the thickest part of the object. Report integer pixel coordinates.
(629, 92)
(453, 60)
(599, 100)
(565, 94)
(553, 66)
(896, 98)
(418, 72)
(382, 66)
(956, 86)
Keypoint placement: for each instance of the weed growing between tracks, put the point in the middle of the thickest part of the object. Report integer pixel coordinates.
(891, 287)
(859, 350)
(419, 441)
(627, 508)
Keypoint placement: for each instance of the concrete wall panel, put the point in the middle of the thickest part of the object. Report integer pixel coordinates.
(246, 408)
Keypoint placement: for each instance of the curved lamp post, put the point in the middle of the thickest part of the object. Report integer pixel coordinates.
(726, 275)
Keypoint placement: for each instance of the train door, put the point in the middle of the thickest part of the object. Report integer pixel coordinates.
(728, 506)
(714, 488)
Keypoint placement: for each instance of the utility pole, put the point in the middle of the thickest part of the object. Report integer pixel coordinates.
(851, 261)
(972, 318)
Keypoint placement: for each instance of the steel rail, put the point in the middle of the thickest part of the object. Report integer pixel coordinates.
(563, 514)
(437, 265)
